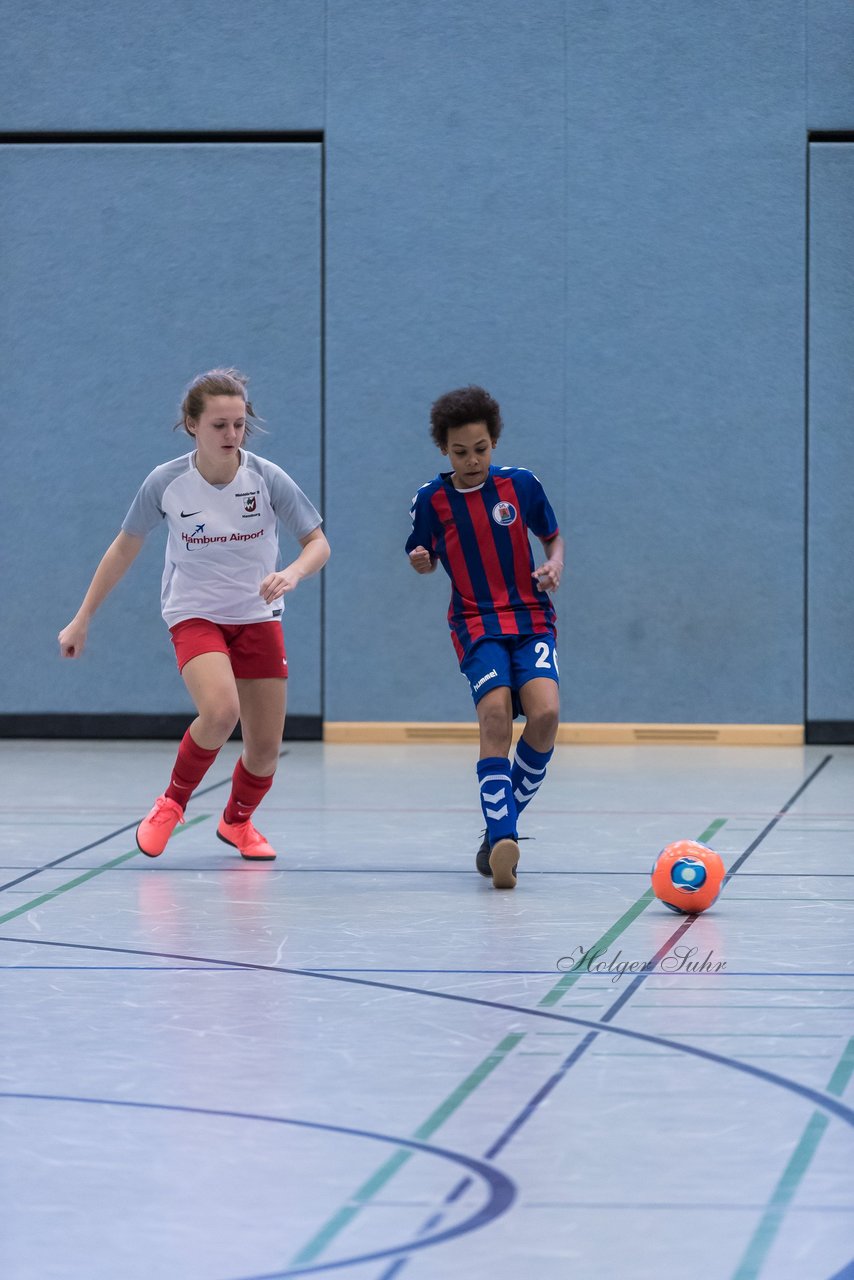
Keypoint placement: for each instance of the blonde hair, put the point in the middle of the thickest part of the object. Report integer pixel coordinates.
(216, 382)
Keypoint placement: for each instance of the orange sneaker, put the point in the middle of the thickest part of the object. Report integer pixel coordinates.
(154, 831)
(249, 842)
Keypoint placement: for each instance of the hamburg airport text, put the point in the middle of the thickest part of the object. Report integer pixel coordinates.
(679, 960)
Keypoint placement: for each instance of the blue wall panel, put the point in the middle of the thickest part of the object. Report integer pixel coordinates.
(445, 265)
(595, 209)
(126, 270)
(654, 358)
(197, 64)
(831, 433)
(830, 64)
(685, 359)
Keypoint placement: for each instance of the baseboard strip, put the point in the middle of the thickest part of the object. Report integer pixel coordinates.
(399, 731)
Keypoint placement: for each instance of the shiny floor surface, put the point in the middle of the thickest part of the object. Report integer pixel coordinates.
(364, 1060)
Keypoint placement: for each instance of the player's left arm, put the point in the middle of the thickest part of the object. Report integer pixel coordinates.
(548, 575)
(315, 552)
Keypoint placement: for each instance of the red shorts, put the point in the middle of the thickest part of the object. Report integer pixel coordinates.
(256, 649)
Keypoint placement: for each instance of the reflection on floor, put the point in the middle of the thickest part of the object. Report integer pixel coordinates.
(364, 1059)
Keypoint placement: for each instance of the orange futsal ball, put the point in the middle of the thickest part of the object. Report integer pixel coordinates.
(687, 876)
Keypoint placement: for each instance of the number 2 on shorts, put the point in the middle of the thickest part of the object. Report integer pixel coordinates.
(542, 651)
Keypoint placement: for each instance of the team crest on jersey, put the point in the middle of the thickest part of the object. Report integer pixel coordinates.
(249, 504)
(504, 513)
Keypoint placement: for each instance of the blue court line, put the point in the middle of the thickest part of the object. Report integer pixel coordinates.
(823, 1101)
(130, 826)
(219, 869)
(124, 968)
(819, 1099)
(227, 966)
(358, 871)
(502, 1191)
(772, 824)
(578, 1052)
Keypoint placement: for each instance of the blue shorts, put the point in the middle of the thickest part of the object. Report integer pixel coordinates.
(510, 662)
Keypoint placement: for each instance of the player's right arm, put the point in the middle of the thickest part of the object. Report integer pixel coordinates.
(116, 561)
(421, 560)
(421, 557)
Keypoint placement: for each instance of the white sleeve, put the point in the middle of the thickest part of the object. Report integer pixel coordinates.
(293, 509)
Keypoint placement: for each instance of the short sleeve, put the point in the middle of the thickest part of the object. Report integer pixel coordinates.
(541, 519)
(145, 511)
(293, 509)
(420, 514)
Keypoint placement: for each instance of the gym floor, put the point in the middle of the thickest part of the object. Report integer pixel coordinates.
(365, 1060)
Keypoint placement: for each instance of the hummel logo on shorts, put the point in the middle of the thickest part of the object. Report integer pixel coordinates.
(483, 679)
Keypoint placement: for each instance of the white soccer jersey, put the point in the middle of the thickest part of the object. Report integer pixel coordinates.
(223, 539)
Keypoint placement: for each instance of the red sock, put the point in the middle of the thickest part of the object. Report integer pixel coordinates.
(247, 792)
(191, 765)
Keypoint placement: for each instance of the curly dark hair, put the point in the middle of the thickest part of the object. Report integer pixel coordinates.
(460, 407)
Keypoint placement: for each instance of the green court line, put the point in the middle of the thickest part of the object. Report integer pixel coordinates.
(784, 1192)
(578, 970)
(357, 1202)
(87, 875)
(386, 1171)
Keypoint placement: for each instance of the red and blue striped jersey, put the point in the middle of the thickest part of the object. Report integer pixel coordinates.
(481, 537)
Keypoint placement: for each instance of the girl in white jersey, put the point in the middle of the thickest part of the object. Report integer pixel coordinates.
(221, 599)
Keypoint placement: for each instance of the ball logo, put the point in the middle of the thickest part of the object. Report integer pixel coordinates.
(687, 877)
(504, 513)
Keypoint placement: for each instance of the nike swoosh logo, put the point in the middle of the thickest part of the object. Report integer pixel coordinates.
(186, 514)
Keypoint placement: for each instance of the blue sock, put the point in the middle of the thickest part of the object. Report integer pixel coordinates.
(528, 772)
(496, 798)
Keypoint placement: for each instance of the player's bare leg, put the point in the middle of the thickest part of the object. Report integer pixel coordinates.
(210, 683)
(263, 704)
(541, 704)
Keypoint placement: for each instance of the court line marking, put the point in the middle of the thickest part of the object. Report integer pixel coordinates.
(572, 976)
(381, 1176)
(626, 995)
(592, 872)
(781, 1197)
(342, 1218)
(501, 1188)
(824, 1101)
(600, 979)
(111, 836)
(32, 903)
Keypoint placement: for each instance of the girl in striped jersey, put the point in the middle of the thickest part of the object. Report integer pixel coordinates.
(221, 598)
(475, 519)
